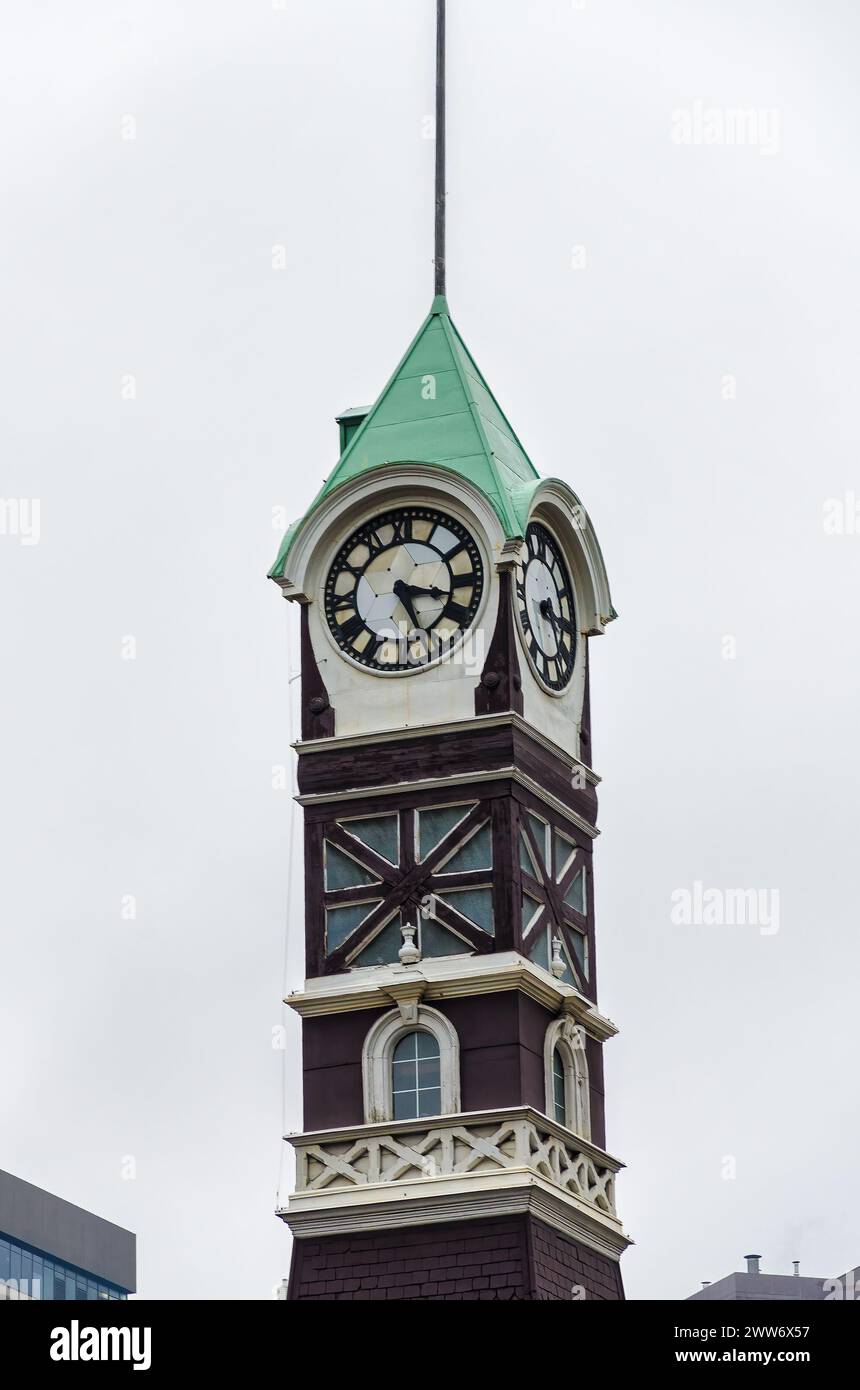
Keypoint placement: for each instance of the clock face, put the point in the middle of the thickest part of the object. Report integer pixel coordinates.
(403, 588)
(545, 606)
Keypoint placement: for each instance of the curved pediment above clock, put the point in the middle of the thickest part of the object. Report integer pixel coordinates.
(386, 486)
(554, 503)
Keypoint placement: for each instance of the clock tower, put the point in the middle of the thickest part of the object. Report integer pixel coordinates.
(453, 1143)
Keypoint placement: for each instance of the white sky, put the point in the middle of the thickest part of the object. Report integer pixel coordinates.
(302, 127)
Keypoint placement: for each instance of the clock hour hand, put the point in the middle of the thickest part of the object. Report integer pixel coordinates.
(403, 592)
(548, 611)
(417, 592)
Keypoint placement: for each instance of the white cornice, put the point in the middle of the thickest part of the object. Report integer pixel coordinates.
(448, 977)
(483, 721)
(471, 1198)
(456, 780)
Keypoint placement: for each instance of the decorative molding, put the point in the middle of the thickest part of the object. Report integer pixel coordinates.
(378, 1050)
(468, 1199)
(389, 485)
(407, 995)
(457, 780)
(411, 1172)
(569, 1038)
(307, 747)
(448, 977)
(555, 502)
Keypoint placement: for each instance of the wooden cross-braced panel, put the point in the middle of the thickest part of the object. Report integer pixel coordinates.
(394, 891)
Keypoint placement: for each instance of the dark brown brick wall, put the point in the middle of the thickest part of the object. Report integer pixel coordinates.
(560, 1263)
(513, 1257)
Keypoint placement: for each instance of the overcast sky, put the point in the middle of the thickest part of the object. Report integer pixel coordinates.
(672, 329)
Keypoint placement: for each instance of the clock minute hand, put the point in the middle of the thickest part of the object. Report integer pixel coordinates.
(402, 591)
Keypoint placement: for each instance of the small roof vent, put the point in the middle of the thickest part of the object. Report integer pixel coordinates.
(349, 424)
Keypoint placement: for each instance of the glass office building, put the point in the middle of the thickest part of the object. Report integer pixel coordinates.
(50, 1249)
(33, 1274)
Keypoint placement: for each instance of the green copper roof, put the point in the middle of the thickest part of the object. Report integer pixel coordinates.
(438, 410)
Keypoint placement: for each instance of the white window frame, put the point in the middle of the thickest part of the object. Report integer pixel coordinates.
(377, 1055)
(568, 1038)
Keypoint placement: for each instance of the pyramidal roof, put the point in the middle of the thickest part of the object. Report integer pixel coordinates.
(437, 410)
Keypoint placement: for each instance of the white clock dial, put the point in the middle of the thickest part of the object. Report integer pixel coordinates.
(546, 609)
(402, 588)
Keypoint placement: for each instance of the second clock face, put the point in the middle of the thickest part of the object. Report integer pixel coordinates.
(545, 606)
(402, 588)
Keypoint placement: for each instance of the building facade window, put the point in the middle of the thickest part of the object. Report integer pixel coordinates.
(29, 1273)
(416, 1077)
(411, 1066)
(559, 1099)
(566, 1070)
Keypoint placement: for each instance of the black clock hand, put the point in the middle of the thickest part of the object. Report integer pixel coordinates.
(547, 610)
(401, 591)
(417, 592)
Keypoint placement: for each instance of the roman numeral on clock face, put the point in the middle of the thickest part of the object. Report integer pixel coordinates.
(350, 629)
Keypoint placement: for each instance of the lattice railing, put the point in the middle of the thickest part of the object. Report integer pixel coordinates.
(449, 1148)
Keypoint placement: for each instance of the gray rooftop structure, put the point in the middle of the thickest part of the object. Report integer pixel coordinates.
(59, 1229)
(754, 1286)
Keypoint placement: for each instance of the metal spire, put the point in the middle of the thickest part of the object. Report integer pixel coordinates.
(440, 147)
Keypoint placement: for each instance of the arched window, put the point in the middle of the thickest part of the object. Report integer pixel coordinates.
(416, 1077)
(411, 1068)
(566, 1069)
(559, 1099)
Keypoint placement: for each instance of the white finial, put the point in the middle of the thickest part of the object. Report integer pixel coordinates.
(409, 953)
(558, 965)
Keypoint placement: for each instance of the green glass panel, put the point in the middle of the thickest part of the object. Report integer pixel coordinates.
(562, 849)
(341, 921)
(343, 872)
(429, 1102)
(427, 1046)
(434, 825)
(405, 1104)
(383, 949)
(476, 853)
(436, 940)
(580, 951)
(527, 864)
(530, 907)
(379, 833)
(575, 895)
(474, 903)
(539, 829)
(539, 950)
